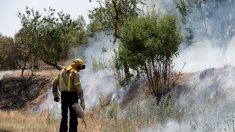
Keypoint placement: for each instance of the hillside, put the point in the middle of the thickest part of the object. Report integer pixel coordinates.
(206, 98)
(24, 92)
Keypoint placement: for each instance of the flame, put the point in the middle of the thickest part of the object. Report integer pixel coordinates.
(98, 127)
(45, 113)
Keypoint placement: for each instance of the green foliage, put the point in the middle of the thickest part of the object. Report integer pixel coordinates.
(112, 14)
(148, 45)
(42, 38)
(111, 110)
(94, 27)
(167, 108)
(144, 112)
(8, 52)
(50, 37)
(150, 110)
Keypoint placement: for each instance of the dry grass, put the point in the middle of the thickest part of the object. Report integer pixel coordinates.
(97, 120)
(17, 121)
(25, 122)
(141, 113)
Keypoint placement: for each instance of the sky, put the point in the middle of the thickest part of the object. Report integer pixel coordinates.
(10, 23)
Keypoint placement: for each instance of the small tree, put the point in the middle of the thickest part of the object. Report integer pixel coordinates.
(148, 45)
(49, 38)
(24, 49)
(112, 14)
(7, 53)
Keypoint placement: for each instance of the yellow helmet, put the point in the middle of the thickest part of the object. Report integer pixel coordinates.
(77, 63)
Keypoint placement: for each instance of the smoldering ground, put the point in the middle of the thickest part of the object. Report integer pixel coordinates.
(207, 103)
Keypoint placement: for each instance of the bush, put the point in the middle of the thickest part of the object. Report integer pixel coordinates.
(148, 45)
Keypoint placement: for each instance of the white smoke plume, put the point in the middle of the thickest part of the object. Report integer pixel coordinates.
(97, 79)
(212, 28)
(49, 105)
(203, 55)
(207, 101)
(210, 100)
(4, 74)
(230, 53)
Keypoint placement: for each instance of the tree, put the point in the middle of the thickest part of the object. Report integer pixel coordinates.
(49, 38)
(148, 44)
(112, 14)
(59, 35)
(24, 49)
(94, 27)
(7, 53)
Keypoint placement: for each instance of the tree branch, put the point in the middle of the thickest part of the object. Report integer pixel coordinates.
(51, 64)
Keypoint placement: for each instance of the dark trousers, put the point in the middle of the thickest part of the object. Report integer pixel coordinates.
(67, 100)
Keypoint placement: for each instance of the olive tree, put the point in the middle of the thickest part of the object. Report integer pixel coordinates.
(112, 14)
(48, 38)
(7, 53)
(148, 45)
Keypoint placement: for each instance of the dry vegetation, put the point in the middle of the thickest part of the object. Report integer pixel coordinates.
(18, 121)
(141, 113)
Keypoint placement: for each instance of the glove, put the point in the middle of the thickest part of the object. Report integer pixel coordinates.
(82, 105)
(56, 99)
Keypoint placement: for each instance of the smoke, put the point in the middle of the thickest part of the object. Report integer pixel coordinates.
(230, 54)
(97, 79)
(208, 98)
(5, 74)
(49, 105)
(204, 54)
(171, 126)
(161, 6)
(206, 103)
(200, 56)
(210, 25)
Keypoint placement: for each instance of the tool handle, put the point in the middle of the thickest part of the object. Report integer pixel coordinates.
(84, 122)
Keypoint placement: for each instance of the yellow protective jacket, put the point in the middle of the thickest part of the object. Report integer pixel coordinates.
(68, 81)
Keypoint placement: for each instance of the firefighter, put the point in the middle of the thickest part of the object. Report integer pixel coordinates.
(68, 83)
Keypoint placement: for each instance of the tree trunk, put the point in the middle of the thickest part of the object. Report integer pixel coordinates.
(52, 64)
(23, 68)
(126, 70)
